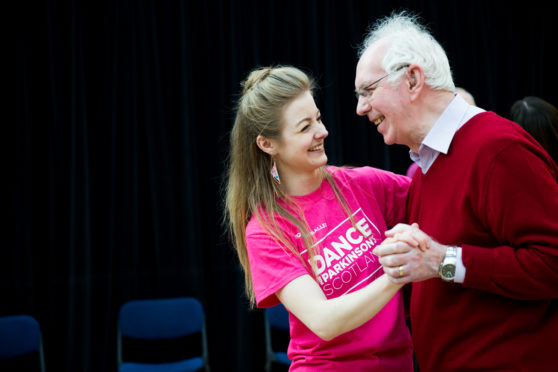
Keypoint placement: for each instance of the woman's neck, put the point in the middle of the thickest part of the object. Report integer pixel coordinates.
(302, 184)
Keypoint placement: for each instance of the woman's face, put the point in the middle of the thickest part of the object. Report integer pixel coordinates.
(300, 149)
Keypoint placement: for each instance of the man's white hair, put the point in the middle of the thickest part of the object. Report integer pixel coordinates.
(411, 43)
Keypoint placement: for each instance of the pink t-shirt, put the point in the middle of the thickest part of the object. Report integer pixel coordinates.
(345, 263)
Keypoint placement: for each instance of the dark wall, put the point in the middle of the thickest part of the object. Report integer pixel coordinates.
(122, 112)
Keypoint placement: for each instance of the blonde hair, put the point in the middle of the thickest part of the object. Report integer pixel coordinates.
(250, 189)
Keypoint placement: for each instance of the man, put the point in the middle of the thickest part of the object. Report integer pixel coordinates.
(484, 296)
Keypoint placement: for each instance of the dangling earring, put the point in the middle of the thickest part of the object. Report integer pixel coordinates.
(274, 173)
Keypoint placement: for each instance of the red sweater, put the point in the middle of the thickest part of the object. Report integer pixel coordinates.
(495, 194)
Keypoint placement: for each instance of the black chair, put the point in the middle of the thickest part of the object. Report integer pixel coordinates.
(162, 320)
(20, 337)
(276, 319)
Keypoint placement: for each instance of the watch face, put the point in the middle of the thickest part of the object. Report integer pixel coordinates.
(448, 271)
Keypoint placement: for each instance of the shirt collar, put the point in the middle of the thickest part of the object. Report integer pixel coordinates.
(439, 138)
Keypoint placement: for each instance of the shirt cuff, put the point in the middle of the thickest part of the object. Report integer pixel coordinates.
(459, 268)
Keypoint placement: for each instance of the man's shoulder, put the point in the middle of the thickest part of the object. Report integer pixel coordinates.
(491, 131)
(487, 137)
(489, 121)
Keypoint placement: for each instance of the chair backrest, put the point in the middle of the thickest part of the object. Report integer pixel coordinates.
(162, 319)
(20, 335)
(275, 318)
(278, 317)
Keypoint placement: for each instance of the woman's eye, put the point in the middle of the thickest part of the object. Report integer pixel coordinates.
(305, 128)
(319, 119)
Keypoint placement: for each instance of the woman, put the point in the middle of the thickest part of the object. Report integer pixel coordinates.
(304, 231)
(540, 119)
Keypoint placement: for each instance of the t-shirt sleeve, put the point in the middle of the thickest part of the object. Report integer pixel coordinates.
(395, 189)
(388, 189)
(271, 264)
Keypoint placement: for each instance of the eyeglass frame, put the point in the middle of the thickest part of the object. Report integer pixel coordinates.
(364, 92)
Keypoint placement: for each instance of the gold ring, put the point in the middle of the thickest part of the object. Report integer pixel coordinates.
(401, 270)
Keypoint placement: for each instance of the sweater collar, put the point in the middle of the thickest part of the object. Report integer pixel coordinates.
(438, 139)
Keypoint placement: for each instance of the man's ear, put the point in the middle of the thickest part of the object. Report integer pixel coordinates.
(415, 79)
(266, 145)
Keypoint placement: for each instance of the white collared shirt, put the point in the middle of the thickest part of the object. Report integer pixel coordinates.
(438, 140)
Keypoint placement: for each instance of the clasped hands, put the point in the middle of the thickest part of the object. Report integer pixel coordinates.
(409, 255)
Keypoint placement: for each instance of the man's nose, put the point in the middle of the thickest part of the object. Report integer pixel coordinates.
(322, 132)
(363, 106)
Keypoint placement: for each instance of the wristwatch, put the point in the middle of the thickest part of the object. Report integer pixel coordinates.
(447, 267)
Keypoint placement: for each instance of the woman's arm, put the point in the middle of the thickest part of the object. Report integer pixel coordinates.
(331, 318)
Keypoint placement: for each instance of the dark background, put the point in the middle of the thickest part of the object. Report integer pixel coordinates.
(122, 113)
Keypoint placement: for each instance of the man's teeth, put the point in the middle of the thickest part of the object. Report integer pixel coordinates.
(319, 147)
(379, 120)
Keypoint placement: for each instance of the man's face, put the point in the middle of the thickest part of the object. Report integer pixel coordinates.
(383, 103)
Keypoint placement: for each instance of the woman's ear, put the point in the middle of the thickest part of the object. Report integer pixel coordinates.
(266, 145)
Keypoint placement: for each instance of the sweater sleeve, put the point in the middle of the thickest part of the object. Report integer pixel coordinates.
(519, 204)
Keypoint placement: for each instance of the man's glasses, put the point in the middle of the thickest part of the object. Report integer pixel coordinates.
(368, 90)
